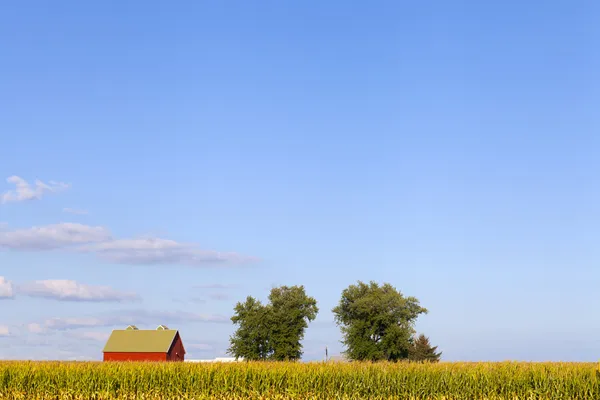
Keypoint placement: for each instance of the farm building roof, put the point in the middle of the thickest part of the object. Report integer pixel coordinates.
(140, 341)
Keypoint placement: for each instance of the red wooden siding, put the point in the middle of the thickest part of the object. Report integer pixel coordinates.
(177, 352)
(135, 356)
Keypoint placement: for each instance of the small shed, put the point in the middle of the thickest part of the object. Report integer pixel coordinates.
(133, 344)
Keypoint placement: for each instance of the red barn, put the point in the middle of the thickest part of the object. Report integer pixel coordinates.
(133, 344)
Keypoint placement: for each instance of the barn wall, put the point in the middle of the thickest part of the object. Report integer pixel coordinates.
(177, 352)
(135, 357)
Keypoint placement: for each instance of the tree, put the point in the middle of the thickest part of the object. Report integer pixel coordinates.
(421, 350)
(252, 338)
(273, 331)
(376, 322)
(291, 310)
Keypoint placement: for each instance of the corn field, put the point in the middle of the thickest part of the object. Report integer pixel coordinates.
(253, 380)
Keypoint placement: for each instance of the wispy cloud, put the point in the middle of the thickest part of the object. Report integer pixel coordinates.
(145, 317)
(197, 300)
(219, 296)
(201, 300)
(4, 331)
(75, 211)
(99, 241)
(69, 290)
(37, 341)
(215, 286)
(24, 191)
(77, 322)
(95, 336)
(6, 289)
(199, 346)
(35, 328)
(159, 251)
(51, 237)
(129, 317)
(49, 347)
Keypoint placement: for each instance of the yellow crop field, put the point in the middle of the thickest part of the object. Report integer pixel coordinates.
(254, 380)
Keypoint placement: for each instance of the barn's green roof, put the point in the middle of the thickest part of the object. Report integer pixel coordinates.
(140, 341)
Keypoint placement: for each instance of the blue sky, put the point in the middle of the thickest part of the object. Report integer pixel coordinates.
(215, 150)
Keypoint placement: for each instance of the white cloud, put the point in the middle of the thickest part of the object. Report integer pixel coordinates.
(35, 328)
(197, 300)
(158, 251)
(52, 236)
(69, 290)
(96, 336)
(73, 323)
(24, 191)
(199, 346)
(157, 317)
(6, 288)
(219, 296)
(131, 317)
(4, 331)
(214, 286)
(48, 347)
(75, 211)
(99, 241)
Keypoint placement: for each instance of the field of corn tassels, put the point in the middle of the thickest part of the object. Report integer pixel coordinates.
(91, 380)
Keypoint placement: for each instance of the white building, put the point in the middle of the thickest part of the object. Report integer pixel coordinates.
(218, 359)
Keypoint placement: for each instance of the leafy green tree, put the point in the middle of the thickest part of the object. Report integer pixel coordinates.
(377, 322)
(421, 350)
(291, 310)
(273, 331)
(251, 340)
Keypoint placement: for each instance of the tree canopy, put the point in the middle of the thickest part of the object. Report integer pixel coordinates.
(273, 331)
(377, 322)
(252, 338)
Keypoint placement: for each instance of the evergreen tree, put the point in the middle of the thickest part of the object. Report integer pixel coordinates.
(421, 350)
